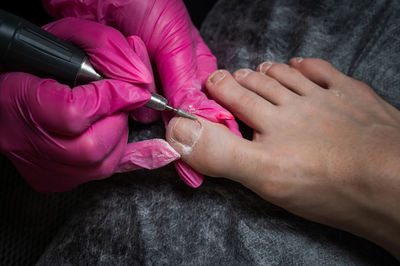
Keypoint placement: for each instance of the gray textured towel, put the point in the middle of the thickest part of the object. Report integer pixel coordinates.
(152, 218)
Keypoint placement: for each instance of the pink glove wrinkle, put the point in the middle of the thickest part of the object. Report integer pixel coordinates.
(59, 137)
(144, 114)
(174, 45)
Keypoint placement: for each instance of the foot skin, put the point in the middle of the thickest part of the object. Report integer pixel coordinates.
(325, 146)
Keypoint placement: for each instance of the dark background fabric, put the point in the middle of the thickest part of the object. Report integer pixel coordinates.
(151, 217)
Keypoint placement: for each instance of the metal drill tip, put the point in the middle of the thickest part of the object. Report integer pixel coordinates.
(180, 112)
(183, 113)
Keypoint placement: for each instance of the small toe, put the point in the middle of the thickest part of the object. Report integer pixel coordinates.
(289, 77)
(243, 102)
(318, 71)
(265, 86)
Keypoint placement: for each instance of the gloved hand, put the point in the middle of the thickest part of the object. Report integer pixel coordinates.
(59, 137)
(183, 60)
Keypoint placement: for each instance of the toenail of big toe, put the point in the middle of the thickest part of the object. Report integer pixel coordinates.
(186, 131)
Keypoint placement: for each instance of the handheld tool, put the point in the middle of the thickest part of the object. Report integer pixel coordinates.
(28, 48)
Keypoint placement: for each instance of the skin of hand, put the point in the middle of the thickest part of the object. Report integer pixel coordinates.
(325, 146)
(181, 59)
(59, 137)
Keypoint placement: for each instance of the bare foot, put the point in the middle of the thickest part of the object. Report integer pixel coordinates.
(325, 146)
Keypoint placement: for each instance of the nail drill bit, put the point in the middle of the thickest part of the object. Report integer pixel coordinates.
(158, 102)
(180, 112)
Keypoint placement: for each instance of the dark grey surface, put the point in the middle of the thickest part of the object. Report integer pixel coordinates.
(152, 218)
(28, 219)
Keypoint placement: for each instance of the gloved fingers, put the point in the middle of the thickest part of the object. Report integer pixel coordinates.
(57, 108)
(196, 102)
(188, 175)
(215, 113)
(143, 114)
(167, 31)
(97, 154)
(149, 154)
(183, 73)
(206, 61)
(206, 65)
(137, 45)
(48, 176)
(108, 50)
(91, 147)
(191, 97)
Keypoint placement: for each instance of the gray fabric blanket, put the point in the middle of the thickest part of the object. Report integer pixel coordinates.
(152, 218)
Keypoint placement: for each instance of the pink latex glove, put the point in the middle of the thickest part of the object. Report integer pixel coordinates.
(183, 60)
(59, 137)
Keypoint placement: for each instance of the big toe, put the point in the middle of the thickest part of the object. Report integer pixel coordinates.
(211, 148)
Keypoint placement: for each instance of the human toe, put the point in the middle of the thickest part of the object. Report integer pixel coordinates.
(265, 86)
(211, 149)
(247, 105)
(288, 76)
(318, 71)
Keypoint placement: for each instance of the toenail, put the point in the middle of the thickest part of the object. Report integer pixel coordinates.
(264, 67)
(216, 76)
(298, 59)
(186, 132)
(242, 73)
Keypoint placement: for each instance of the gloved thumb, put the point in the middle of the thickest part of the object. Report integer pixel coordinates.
(211, 148)
(149, 154)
